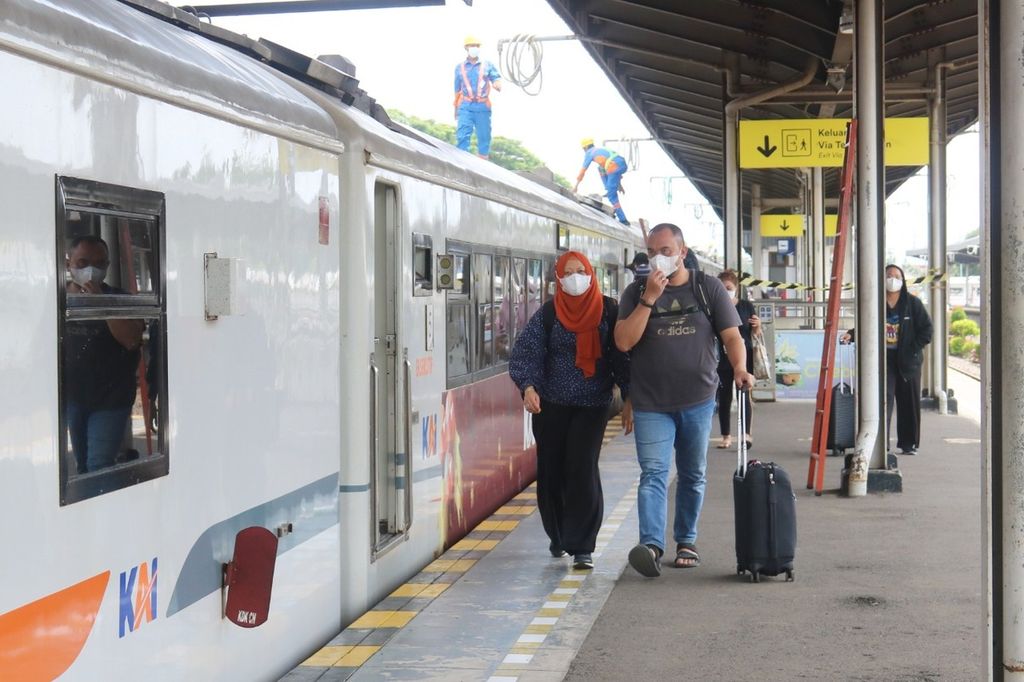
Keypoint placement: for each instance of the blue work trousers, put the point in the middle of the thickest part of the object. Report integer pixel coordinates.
(474, 116)
(611, 186)
(659, 435)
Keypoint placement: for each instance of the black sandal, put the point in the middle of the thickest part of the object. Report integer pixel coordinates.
(686, 552)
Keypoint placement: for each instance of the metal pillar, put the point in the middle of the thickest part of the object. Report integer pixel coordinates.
(817, 240)
(732, 237)
(871, 235)
(937, 238)
(756, 244)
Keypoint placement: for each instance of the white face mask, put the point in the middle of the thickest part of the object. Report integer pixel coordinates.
(667, 264)
(82, 276)
(732, 294)
(473, 52)
(575, 285)
(893, 284)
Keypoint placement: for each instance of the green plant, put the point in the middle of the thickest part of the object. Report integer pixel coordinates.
(956, 346)
(957, 315)
(969, 349)
(965, 328)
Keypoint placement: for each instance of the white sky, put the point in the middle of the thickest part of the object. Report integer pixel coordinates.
(405, 59)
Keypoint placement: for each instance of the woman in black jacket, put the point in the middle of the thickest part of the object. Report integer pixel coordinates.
(908, 329)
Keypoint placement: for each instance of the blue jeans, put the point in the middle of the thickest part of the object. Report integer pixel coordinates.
(468, 119)
(658, 435)
(96, 435)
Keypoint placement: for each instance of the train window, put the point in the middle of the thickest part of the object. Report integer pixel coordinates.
(458, 335)
(422, 265)
(502, 310)
(519, 296)
(112, 364)
(610, 286)
(461, 275)
(484, 356)
(534, 287)
(562, 237)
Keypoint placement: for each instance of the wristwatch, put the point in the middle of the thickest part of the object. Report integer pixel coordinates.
(646, 304)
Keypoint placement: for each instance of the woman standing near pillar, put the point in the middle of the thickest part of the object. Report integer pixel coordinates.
(908, 329)
(565, 363)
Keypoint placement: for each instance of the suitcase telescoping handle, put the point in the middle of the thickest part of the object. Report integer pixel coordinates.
(841, 361)
(741, 431)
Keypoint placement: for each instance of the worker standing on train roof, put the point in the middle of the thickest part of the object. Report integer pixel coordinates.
(474, 79)
(611, 166)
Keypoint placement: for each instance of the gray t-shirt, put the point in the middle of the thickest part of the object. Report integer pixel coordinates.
(674, 365)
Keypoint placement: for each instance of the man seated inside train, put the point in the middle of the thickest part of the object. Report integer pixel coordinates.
(101, 358)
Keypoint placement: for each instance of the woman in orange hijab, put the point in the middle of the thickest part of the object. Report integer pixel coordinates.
(565, 363)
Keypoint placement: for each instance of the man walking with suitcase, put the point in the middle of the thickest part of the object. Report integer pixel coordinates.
(669, 322)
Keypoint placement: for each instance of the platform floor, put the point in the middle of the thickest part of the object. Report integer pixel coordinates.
(888, 587)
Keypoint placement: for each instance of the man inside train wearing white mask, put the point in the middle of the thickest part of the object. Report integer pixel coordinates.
(668, 323)
(101, 359)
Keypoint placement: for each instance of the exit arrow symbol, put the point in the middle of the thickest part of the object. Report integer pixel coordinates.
(767, 149)
(785, 225)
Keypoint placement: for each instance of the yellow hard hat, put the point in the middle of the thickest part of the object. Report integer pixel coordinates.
(586, 142)
(470, 40)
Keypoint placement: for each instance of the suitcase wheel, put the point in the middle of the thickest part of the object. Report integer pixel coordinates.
(789, 576)
(739, 570)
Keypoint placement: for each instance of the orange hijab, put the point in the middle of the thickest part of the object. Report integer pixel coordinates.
(581, 314)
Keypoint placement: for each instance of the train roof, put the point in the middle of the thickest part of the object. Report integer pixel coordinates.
(171, 55)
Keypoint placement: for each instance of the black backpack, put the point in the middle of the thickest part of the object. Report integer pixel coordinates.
(700, 292)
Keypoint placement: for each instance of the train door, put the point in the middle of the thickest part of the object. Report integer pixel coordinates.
(389, 368)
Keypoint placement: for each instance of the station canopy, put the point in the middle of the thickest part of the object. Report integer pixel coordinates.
(670, 59)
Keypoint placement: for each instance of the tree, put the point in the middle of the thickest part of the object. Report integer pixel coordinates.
(505, 152)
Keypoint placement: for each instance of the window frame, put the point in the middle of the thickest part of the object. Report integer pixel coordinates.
(118, 201)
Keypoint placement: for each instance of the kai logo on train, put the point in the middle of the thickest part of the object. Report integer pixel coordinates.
(138, 597)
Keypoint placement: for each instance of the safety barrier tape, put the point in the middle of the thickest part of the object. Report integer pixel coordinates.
(749, 280)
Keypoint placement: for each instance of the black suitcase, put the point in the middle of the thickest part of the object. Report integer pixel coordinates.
(765, 509)
(841, 427)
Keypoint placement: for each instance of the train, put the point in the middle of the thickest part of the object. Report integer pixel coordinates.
(237, 296)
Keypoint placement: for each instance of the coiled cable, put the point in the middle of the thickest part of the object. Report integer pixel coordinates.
(520, 64)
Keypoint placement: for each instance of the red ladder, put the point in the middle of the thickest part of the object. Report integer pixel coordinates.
(823, 406)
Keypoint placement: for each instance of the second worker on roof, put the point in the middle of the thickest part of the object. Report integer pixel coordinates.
(611, 166)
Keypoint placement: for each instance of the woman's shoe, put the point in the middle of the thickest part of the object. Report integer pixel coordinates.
(725, 443)
(583, 561)
(556, 551)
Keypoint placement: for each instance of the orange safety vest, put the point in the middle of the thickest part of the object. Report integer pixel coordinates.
(483, 87)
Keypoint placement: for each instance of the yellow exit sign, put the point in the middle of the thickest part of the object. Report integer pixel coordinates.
(814, 142)
(786, 225)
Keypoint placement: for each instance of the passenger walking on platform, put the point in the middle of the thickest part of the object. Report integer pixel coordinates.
(565, 363)
(908, 329)
(750, 325)
(611, 166)
(670, 323)
(474, 79)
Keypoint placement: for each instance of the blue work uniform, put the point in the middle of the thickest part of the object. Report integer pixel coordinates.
(473, 103)
(611, 166)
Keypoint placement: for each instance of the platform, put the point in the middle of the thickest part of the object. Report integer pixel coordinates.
(887, 586)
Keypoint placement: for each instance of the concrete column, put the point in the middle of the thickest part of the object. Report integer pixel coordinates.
(870, 183)
(756, 244)
(1003, 316)
(937, 236)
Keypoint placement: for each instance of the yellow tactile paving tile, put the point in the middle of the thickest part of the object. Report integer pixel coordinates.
(497, 525)
(449, 566)
(383, 619)
(344, 656)
(538, 629)
(519, 510)
(420, 590)
(475, 545)
(359, 655)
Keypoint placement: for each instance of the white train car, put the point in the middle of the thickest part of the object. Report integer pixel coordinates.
(235, 297)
